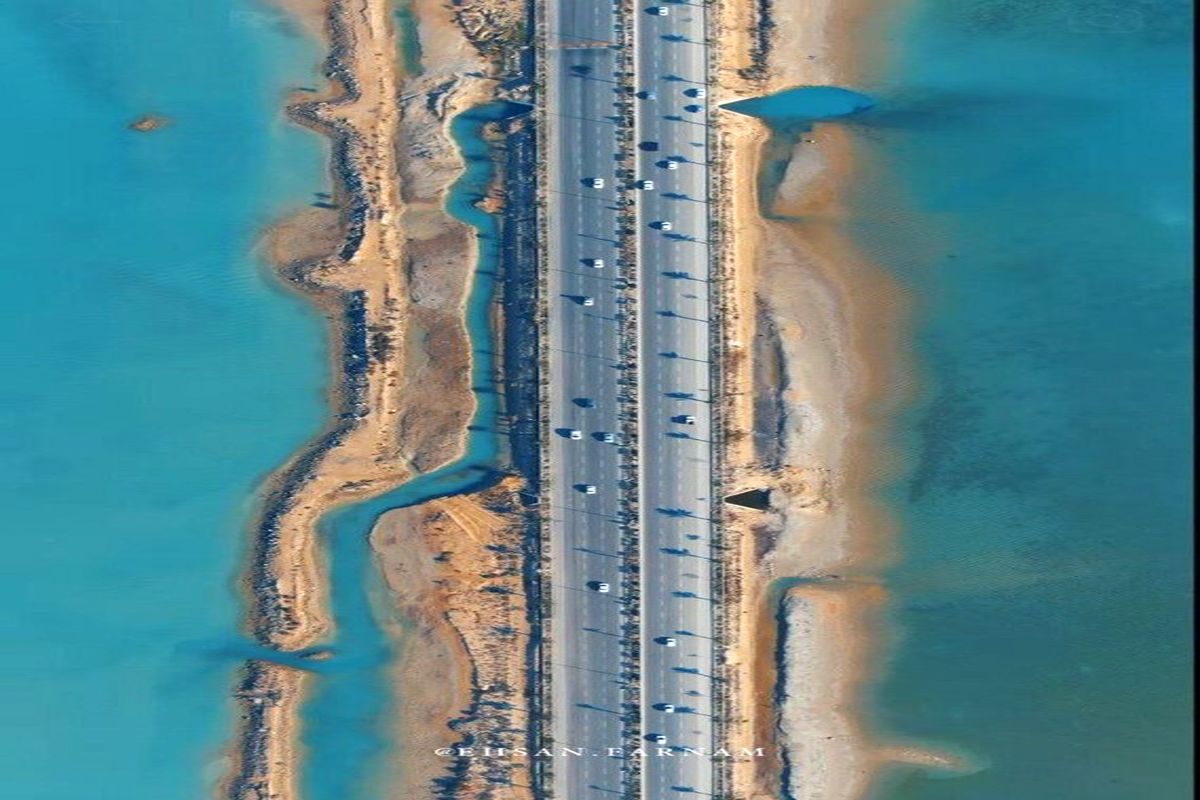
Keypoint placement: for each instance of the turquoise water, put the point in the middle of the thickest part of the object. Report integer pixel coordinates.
(804, 104)
(1028, 181)
(153, 375)
(346, 723)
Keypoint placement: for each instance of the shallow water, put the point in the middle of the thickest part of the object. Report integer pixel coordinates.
(153, 374)
(1026, 178)
(346, 729)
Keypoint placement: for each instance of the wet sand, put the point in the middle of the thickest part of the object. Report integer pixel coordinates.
(815, 369)
(390, 270)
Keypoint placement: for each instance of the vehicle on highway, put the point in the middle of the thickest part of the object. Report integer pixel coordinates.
(587, 488)
(693, 108)
(657, 738)
(695, 92)
(646, 94)
(584, 402)
(668, 641)
(596, 183)
(660, 11)
(608, 438)
(685, 419)
(670, 164)
(662, 225)
(649, 147)
(575, 434)
(646, 185)
(587, 301)
(596, 263)
(666, 708)
(601, 587)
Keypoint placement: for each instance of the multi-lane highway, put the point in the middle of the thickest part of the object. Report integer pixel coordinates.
(588, 693)
(675, 474)
(589, 458)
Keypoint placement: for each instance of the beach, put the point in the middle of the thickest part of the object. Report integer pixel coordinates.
(814, 369)
(390, 269)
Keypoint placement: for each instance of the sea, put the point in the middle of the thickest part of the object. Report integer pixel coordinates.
(1026, 177)
(1027, 182)
(153, 374)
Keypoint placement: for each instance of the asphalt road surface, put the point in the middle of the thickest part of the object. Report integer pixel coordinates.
(675, 404)
(587, 690)
(588, 693)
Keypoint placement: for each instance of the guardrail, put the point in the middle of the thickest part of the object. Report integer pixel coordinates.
(541, 771)
(724, 545)
(627, 220)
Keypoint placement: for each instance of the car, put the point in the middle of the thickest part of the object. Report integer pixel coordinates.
(587, 488)
(657, 738)
(574, 434)
(696, 92)
(596, 263)
(663, 225)
(684, 419)
(587, 301)
(648, 147)
(646, 185)
(670, 164)
(608, 438)
(647, 94)
(660, 11)
(584, 402)
(669, 641)
(602, 587)
(666, 708)
(596, 183)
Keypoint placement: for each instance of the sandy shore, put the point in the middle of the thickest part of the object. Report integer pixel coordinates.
(814, 370)
(390, 270)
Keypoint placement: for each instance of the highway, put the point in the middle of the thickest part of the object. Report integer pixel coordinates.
(587, 690)
(676, 466)
(673, 475)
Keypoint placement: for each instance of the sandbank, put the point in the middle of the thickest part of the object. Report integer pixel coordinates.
(814, 370)
(390, 271)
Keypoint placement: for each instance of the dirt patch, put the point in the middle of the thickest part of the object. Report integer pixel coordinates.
(454, 566)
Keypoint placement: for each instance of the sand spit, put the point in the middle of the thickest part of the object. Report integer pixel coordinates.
(390, 269)
(812, 342)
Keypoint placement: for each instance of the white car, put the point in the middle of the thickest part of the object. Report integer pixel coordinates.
(589, 488)
(663, 225)
(588, 301)
(657, 738)
(672, 165)
(697, 92)
(670, 641)
(608, 438)
(688, 419)
(667, 708)
(596, 183)
(574, 434)
(660, 11)
(603, 588)
(596, 263)
(646, 185)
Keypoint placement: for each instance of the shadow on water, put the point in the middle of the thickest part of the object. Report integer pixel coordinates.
(791, 115)
(346, 728)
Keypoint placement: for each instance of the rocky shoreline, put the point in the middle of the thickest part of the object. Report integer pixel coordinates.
(391, 278)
